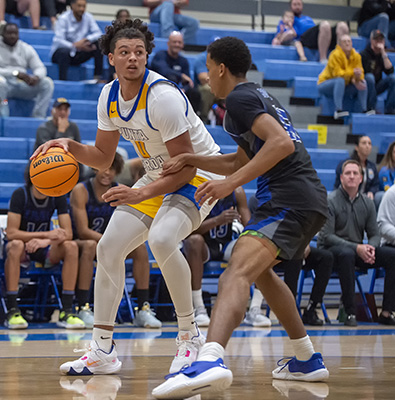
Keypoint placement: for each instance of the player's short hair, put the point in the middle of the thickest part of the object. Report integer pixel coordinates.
(233, 53)
(129, 29)
(118, 163)
(357, 163)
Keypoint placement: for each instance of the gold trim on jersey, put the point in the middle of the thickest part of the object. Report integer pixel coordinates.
(150, 207)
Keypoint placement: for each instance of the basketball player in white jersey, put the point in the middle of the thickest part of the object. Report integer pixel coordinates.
(158, 119)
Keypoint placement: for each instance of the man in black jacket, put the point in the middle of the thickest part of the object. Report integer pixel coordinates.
(375, 61)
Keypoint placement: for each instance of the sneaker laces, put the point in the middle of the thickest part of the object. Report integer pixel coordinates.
(283, 362)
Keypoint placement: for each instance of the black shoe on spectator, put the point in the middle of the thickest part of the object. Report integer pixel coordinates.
(351, 320)
(310, 317)
(390, 320)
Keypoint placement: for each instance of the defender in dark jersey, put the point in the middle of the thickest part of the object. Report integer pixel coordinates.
(292, 208)
(30, 238)
(90, 216)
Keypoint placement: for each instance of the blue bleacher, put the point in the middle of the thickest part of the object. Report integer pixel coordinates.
(327, 158)
(6, 190)
(372, 125)
(285, 70)
(14, 148)
(20, 127)
(386, 138)
(12, 171)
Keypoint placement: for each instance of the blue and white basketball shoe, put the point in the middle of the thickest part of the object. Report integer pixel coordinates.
(95, 361)
(312, 370)
(200, 377)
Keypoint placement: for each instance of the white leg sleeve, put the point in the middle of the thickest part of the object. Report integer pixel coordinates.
(169, 228)
(124, 233)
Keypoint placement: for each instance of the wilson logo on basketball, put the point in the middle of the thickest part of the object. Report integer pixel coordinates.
(48, 160)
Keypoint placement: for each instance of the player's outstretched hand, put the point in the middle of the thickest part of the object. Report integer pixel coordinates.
(122, 194)
(213, 190)
(175, 164)
(62, 142)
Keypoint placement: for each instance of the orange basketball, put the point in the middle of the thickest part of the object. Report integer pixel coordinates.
(54, 173)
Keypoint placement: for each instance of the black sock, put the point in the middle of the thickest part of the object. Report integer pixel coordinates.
(11, 300)
(82, 297)
(67, 301)
(142, 297)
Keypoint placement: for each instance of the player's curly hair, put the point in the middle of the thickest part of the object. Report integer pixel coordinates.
(233, 53)
(129, 29)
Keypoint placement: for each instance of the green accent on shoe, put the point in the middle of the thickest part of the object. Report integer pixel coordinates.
(71, 320)
(15, 320)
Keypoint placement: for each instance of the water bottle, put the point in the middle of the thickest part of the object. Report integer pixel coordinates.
(4, 109)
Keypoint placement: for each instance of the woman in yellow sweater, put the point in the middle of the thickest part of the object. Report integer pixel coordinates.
(343, 75)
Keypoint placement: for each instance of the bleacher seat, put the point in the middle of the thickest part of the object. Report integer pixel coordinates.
(285, 70)
(372, 125)
(327, 158)
(20, 127)
(12, 171)
(14, 148)
(6, 190)
(386, 138)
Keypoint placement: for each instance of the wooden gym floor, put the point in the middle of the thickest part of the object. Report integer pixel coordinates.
(361, 362)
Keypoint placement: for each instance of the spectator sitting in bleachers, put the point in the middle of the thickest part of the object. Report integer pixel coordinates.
(370, 182)
(59, 125)
(343, 75)
(286, 34)
(386, 170)
(19, 8)
(123, 14)
(214, 241)
(16, 58)
(351, 216)
(30, 238)
(386, 218)
(90, 216)
(374, 14)
(321, 37)
(201, 82)
(375, 62)
(175, 67)
(75, 40)
(167, 14)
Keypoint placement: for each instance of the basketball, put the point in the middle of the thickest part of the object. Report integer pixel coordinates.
(54, 173)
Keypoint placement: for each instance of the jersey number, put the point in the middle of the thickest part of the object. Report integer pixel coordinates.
(141, 149)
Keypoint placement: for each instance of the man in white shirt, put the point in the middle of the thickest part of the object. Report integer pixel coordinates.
(16, 58)
(75, 40)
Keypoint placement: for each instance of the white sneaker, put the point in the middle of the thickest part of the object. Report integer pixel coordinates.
(200, 377)
(188, 347)
(201, 317)
(341, 114)
(254, 317)
(94, 362)
(97, 387)
(145, 318)
(86, 315)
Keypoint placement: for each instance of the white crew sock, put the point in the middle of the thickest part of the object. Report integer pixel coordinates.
(257, 298)
(303, 348)
(103, 337)
(197, 298)
(211, 352)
